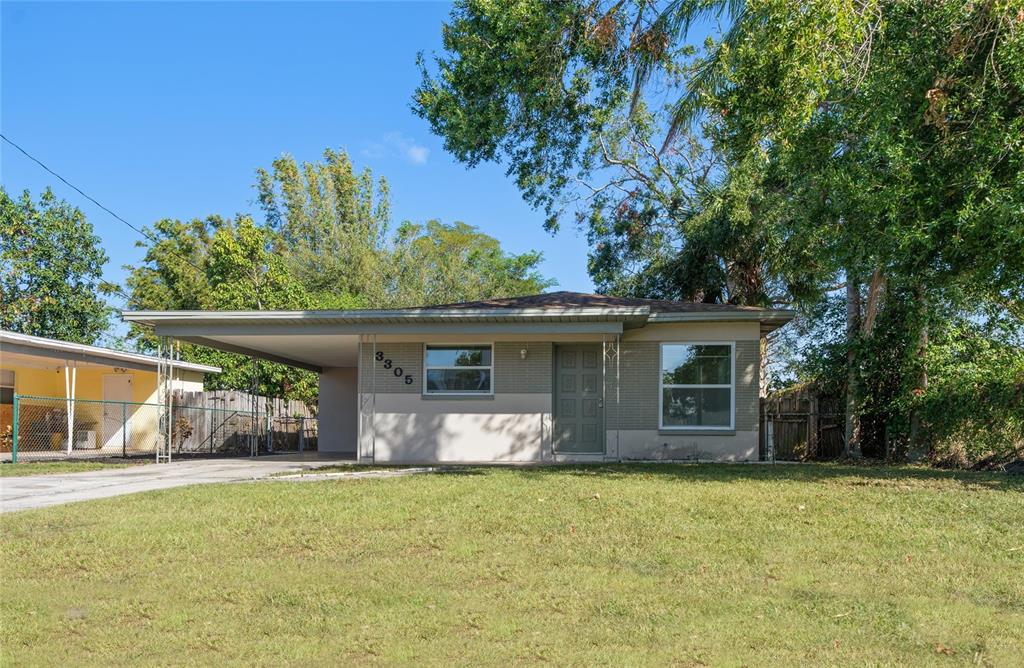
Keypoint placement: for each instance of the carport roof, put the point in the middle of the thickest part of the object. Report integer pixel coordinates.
(24, 345)
(296, 337)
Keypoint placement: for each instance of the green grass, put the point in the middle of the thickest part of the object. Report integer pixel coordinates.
(686, 565)
(39, 468)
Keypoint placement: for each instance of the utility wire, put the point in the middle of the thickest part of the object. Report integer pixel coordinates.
(142, 231)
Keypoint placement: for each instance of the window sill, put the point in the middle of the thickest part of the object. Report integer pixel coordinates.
(696, 432)
(457, 397)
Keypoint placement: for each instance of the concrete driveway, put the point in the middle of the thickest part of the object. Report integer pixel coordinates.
(38, 491)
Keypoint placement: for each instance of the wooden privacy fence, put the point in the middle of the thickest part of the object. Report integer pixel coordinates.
(243, 401)
(291, 425)
(801, 424)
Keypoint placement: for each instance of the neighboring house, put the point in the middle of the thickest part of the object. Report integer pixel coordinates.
(554, 377)
(48, 372)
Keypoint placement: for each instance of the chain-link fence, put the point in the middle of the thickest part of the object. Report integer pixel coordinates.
(103, 429)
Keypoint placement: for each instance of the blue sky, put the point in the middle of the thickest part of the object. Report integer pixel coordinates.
(166, 109)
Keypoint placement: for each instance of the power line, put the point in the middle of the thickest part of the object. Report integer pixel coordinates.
(141, 232)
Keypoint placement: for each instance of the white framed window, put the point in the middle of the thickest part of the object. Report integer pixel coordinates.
(458, 369)
(6, 387)
(698, 386)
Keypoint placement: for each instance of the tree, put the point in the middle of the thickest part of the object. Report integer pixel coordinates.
(565, 93)
(51, 270)
(332, 225)
(219, 263)
(440, 264)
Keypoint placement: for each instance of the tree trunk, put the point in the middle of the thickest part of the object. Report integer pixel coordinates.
(851, 445)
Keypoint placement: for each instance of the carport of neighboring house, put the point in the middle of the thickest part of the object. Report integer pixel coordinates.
(89, 387)
(554, 377)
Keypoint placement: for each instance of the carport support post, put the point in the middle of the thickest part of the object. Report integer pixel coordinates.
(124, 429)
(14, 436)
(70, 376)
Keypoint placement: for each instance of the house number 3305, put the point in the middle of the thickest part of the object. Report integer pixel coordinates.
(397, 370)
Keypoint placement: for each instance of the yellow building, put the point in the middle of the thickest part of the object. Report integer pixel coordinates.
(108, 395)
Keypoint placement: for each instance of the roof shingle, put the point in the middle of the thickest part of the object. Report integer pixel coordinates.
(565, 299)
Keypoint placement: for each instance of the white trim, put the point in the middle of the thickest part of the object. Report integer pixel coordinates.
(731, 386)
(780, 316)
(441, 393)
(147, 317)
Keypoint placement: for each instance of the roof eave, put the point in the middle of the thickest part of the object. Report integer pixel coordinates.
(770, 319)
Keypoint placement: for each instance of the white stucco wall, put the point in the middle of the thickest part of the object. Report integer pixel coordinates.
(338, 412)
(410, 428)
(650, 444)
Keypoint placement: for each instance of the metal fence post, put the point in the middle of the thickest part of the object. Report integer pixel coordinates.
(302, 433)
(14, 435)
(124, 429)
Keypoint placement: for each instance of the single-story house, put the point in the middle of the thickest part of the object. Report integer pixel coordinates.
(554, 377)
(98, 389)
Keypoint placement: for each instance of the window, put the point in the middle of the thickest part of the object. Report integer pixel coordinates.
(457, 370)
(697, 389)
(6, 387)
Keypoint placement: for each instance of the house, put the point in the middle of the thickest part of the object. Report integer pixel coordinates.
(561, 376)
(101, 391)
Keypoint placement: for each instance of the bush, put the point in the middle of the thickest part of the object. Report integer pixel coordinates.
(973, 409)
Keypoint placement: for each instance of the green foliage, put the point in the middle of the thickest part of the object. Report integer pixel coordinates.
(572, 95)
(331, 224)
(231, 265)
(51, 268)
(974, 404)
(440, 264)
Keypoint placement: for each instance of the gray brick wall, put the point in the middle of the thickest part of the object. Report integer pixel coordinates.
(639, 369)
(407, 356)
(512, 374)
(515, 375)
(638, 393)
(748, 356)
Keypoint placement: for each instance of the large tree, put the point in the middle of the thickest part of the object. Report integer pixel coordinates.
(51, 270)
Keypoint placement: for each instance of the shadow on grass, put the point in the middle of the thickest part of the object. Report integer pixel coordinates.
(912, 476)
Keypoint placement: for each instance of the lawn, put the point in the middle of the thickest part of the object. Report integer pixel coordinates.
(40, 468)
(686, 565)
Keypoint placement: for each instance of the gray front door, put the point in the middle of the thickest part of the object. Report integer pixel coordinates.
(579, 407)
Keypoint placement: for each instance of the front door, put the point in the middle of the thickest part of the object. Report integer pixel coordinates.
(116, 416)
(579, 406)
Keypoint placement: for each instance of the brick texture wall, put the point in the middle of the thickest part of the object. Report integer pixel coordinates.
(638, 395)
(515, 375)
(512, 373)
(407, 356)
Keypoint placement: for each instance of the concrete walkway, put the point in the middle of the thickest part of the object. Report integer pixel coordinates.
(38, 491)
